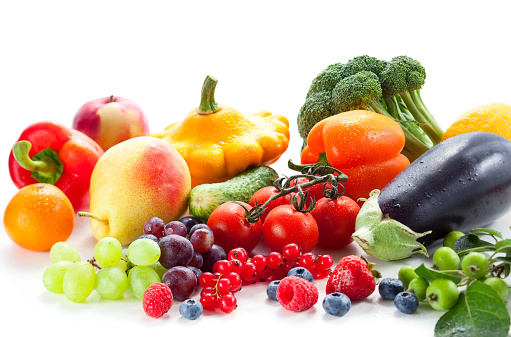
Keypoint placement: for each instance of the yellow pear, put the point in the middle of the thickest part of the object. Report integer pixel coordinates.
(135, 180)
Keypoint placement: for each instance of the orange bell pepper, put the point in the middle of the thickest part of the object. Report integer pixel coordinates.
(364, 145)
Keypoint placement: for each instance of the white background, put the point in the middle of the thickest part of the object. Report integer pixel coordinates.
(57, 55)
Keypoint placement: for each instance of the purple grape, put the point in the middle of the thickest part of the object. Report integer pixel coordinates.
(196, 261)
(175, 251)
(202, 240)
(149, 236)
(190, 221)
(199, 226)
(182, 281)
(216, 253)
(154, 226)
(197, 273)
(175, 227)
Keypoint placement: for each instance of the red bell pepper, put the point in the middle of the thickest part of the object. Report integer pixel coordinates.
(50, 152)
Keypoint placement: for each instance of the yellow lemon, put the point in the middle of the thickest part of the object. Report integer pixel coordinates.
(492, 117)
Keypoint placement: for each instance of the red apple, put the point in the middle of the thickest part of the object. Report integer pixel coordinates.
(111, 120)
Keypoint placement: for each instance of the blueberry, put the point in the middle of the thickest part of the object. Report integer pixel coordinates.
(406, 302)
(390, 287)
(336, 304)
(301, 272)
(271, 291)
(190, 309)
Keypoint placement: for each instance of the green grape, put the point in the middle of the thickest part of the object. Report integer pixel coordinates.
(143, 252)
(111, 282)
(79, 281)
(108, 252)
(63, 251)
(451, 238)
(475, 265)
(442, 294)
(159, 269)
(53, 277)
(140, 278)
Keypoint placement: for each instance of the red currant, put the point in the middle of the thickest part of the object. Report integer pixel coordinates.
(325, 262)
(209, 301)
(235, 281)
(236, 266)
(238, 254)
(274, 260)
(308, 261)
(223, 285)
(222, 266)
(206, 280)
(208, 290)
(249, 273)
(291, 252)
(259, 261)
(227, 303)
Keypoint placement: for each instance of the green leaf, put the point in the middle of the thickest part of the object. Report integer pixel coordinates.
(487, 231)
(471, 242)
(503, 246)
(480, 312)
(431, 275)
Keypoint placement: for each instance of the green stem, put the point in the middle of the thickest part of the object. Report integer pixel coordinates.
(207, 104)
(45, 166)
(437, 132)
(93, 216)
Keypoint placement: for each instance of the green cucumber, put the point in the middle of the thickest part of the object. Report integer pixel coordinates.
(205, 198)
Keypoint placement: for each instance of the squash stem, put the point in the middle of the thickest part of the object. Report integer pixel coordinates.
(208, 105)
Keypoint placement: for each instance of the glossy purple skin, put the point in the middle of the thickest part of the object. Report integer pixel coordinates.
(462, 183)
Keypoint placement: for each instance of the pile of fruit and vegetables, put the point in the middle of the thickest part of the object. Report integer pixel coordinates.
(178, 214)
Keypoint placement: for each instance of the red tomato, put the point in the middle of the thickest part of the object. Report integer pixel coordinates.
(285, 225)
(231, 229)
(336, 221)
(264, 194)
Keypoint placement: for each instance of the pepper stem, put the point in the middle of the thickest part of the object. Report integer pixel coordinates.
(208, 105)
(45, 166)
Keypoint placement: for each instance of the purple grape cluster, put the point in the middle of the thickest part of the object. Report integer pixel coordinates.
(187, 250)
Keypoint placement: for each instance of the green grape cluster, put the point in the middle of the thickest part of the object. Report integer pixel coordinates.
(111, 272)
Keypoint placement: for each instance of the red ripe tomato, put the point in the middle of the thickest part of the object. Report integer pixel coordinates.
(264, 194)
(231, 229)
(336, 221)
(285, 225)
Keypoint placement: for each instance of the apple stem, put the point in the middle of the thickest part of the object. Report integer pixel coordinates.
(93, 216)
(111, 99)
(207, 104)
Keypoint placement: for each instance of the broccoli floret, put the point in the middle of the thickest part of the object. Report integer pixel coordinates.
(401, 81)
(356, 92)
(317, 107)
(327, 79)
(364, 63)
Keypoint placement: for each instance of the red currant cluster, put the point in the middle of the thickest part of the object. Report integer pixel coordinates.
(219, 286)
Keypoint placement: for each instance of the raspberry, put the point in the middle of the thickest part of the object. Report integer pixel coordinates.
(296, 294)
(157, 300)
(353, 277)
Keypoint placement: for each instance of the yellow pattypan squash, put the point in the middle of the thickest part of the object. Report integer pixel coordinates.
(218, 142)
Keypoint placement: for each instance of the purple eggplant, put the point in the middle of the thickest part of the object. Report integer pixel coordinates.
(462, 183)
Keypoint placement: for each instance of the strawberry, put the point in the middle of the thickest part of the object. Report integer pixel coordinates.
(352, 276)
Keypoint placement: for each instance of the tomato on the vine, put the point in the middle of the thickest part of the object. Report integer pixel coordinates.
(336, 221)
(265, 193)
(315, 191)
(231, 228)
(284, 225)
